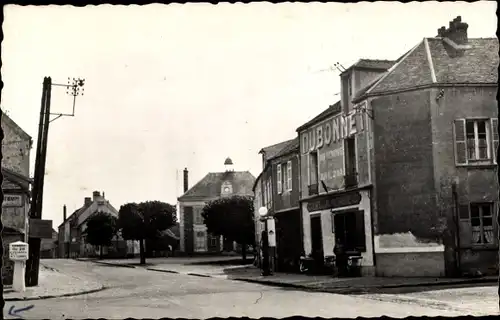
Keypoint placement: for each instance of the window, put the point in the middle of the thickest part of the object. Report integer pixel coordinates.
(200, 241)
(197, 217)
(269, 193)
(313, 168)
(213, 241)
(350, 155)
(349, 229)
(279, 178)
(289, 175)
(476, 141)
(481, 218)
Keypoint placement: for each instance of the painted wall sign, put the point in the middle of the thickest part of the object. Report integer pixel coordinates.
(12, 200)
(334, 201)
(334, 130)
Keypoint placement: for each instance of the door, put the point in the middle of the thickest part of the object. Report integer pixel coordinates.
(317, 239)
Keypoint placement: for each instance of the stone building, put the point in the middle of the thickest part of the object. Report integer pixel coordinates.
(193, 231)
(71, 242)
(405, 162)
(16, 147)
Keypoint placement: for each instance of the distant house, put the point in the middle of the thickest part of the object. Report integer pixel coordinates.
(71, 232)
(48, 248)
(193, 232)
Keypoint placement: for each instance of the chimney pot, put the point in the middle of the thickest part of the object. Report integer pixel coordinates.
(186, 182)
(64, 213)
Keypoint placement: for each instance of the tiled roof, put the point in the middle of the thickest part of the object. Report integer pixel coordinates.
(335, 108)
(477, 64)
(374, 64)
(210, 185)
(291, 146)
(271, 151)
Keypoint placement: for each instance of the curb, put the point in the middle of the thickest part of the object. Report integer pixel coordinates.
(56, 295)
(109, 263)
(162, 270)
(199, 275)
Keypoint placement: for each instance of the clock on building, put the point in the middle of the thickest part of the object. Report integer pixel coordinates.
(227, 188)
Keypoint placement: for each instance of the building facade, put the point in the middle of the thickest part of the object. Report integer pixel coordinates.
(71, 238)
(194, 238)
(48, 247)
(434, 123)
(16, 147)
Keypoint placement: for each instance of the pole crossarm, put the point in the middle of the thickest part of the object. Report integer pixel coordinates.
(72, 88)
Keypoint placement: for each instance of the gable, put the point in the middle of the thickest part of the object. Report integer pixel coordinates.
(412, 71)
(210, 186)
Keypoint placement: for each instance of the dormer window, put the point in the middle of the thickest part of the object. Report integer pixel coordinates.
(227, 188)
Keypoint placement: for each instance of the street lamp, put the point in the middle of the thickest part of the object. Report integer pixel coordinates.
(265, 242)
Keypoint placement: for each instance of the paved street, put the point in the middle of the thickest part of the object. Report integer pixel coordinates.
(139, 293)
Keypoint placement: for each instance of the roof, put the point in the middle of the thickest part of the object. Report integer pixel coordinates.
(271, 151)
(437, 61)
(76, 213)
(210, 185)
(290, 147)
(13, 124)
(17, 178)
(371, 64)
(333, 109)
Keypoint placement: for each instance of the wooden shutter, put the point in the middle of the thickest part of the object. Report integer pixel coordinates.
(494, 138)
(278, 182)
(289, 171)
(360, 231)
(465, 227)
(460, 142)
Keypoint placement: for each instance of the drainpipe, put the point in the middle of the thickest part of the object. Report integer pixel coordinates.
(456, 218)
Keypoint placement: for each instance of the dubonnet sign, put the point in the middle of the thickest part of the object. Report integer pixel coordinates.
(327, 138)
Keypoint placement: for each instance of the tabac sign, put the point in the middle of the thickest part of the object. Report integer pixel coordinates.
(333, 130)
(12, 200)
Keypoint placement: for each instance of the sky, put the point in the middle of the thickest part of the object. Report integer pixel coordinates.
(178, 86)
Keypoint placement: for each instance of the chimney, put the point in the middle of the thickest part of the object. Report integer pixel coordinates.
(457, 31)
(103, 195)
(186, 185)
(64, 213)
(88, 201)
(95, 195)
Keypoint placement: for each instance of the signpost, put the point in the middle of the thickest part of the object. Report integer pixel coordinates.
(18, 252)
(39, 228)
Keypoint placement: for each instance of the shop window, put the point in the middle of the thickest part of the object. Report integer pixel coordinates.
(349, 229)
(476, 141)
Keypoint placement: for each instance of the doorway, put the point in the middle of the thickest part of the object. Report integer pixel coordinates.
(317, 240)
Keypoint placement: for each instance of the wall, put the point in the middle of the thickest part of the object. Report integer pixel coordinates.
(406, 202)
(286, 199)
(474, 183)
(16, 147)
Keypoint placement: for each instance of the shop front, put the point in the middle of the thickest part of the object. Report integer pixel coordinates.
(340, 219)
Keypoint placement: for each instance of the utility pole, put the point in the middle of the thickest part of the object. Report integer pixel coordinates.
(73, 88)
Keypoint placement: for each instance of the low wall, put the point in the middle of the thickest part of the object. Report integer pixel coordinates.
(410, 264)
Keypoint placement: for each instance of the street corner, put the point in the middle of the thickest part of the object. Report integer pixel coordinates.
(55, 284)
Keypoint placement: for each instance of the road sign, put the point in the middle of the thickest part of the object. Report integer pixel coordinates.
(18, 251)
(40, 228)
(12, 200)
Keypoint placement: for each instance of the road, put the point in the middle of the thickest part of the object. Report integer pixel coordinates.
(140, 293)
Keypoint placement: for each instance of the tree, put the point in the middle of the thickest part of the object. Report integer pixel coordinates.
(101, 228)
(145, 221)
(233, 218)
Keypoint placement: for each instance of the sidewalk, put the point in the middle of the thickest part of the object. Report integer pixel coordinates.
(53, 284)
(344, 285)
(174, 261)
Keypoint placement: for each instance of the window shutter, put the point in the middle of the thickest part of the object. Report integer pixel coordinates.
(460, 142)
(289, 170)
(360, 231)
(494, 135)
(465, 227)
(279, 178)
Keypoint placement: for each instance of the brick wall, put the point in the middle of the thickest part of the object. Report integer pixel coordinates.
(403, 165)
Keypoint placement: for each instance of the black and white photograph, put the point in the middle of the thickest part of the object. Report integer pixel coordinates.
(200, 160)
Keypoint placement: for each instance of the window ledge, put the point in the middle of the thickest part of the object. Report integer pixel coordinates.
(478, 166)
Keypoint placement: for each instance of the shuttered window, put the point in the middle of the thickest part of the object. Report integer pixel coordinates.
(476, 224)
(476, 140)
(289, 175)
(278, 180)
